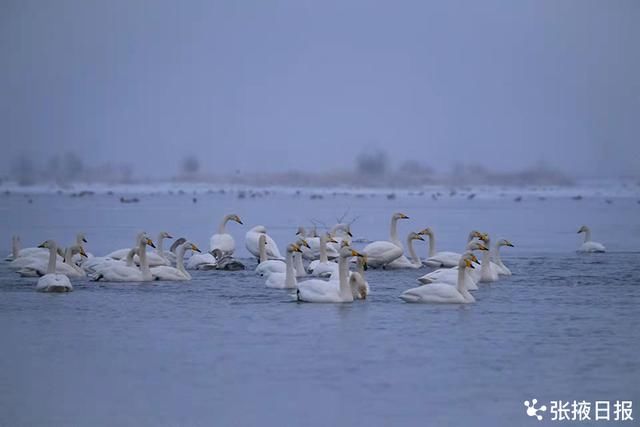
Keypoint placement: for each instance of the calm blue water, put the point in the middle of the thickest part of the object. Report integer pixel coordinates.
(224, 350)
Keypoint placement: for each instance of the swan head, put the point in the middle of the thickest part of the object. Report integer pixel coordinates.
(399, 215)
(81, 237)
(426, 232)
(147, 241)
(473, 258)
(477, 245)
(347, 251)
(293, 248)
(505, 242)
(192, 246)
(475, 234)
(236, 218)
(47, 244)
(301, 232)
(583, 229)
(304, 243)
(164, 235)
(330, 239)
(465, 262)
(415, 236)
(216, 253)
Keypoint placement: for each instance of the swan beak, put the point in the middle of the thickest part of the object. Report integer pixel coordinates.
(296, 248)
(356, 253)
(42, 245)
(84, 239)
(483, 247)
(468, 263)
(150, 243)
(304, 243)
(195, 248)
(331, 240)
(424, 232)
(510, 244)
(419, 237)
(349, 234)
(83, 253)
(239, 221)
(169, 236)
(403, 216)
(474, 259)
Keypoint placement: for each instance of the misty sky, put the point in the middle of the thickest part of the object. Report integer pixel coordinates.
(270, 85)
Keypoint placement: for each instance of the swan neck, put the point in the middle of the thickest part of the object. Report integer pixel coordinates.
(496, 254)
(393, 232)
(180, 259)
(144, 262)
(130, 256)
(361, 267)
(587, 235)
(299, 266)
(414, 258)
(160, 245)
(461, 286)
(486, 262)
(53, 253)
(343, 275)
(222, 227)
(15, 246)
(323, 249)
(289, 278)
(262, 248)
(432, 245)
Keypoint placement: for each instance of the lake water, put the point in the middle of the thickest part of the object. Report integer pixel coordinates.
(224, 350)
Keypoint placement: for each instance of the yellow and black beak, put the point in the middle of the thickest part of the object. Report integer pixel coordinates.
(468, 263)
(419, 237)
(150, 243)
(510, 244)
(474, 258)
(84, 239)
(83, 253)
(349, 234)
(296, 248)
(482, 247)
(403, 216)
(305, 243)
(195, 248)
(42, 245)
(331, 240)
(356, 253)
(239, 221)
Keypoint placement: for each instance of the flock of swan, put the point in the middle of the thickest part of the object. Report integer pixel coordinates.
(327, 277)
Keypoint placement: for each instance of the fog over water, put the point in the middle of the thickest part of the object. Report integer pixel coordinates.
(273, 86)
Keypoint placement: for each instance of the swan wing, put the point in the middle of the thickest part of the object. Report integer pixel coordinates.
(381, 253)
(439, 293)
(316, 290)
(592, 247)
(164, 272)
(443, 260)
(270, 266)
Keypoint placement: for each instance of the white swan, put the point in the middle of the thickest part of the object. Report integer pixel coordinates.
(223, 240)
(488, 270)
(17, 252)
(78, 259)
(226, 261)
(589, 245)
(450, 275)
(323, 266)
(52, 281)
(177, 273)
(157, 256)
(445, 259)
(35, 257)
(403, 261)
(316, 290)
(251, 243)
(357, 282)
(39, 267)
(443, 293)
(119, 272)
(382, 252)
(500, 267)
(288, 278)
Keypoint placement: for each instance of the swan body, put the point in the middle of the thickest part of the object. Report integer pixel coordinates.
(320, 291)
(323, 266)
(403, 261)
(222, 240)
(442, 293)
(225, 261)
(39, 267)
(251, 243)
(381, 253)
(445, 259)
(177, 273)
(129, 272)
(589, 246)
(52, 281)
(202, 261)
(313, 251)
(450, 275)
(287, 279)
